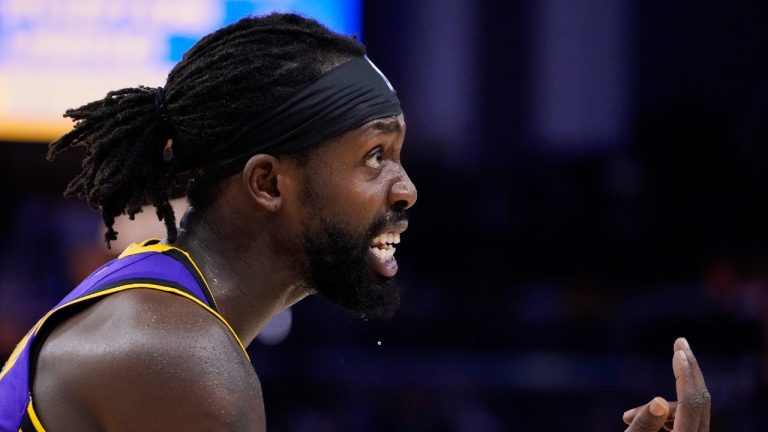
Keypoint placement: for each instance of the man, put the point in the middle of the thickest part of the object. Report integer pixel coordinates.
(287, 141)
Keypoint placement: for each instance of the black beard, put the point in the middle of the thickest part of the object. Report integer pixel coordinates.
(338, 268)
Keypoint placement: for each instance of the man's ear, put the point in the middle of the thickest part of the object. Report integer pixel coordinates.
(260, 178)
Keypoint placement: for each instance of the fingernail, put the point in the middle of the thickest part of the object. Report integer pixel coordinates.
(685, 343)
(658, 407)
(629, 413)
(683, 356)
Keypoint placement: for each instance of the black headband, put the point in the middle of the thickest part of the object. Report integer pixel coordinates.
(344, 98)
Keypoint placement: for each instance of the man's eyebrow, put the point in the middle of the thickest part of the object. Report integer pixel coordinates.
(385, 125)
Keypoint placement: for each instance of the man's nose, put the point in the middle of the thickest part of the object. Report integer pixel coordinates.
(403, 193)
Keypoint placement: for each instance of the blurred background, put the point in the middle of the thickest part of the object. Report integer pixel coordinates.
(592, 184)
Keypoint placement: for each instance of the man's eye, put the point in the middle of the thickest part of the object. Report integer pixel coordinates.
(375, 159)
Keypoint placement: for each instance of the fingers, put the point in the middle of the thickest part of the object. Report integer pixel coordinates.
(692, 410)
(681, 344)
(650, 417)
(629, 415)
(692, 414)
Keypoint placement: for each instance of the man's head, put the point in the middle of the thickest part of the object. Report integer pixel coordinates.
(333, 188)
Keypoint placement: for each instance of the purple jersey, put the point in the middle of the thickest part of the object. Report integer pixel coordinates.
(149, 265)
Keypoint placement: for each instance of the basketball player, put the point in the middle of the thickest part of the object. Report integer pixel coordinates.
(286, 140)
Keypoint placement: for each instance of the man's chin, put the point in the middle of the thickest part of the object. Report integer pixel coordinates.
(340, 267)
(379, 300)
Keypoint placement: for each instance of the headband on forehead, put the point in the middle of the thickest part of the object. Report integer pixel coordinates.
(344, 98)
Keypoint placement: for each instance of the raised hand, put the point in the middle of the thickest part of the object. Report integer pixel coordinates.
(691, 411)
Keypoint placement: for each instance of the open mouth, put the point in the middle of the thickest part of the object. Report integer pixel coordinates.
(382, 252)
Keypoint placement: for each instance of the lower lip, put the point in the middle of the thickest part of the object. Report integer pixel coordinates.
(385, 268)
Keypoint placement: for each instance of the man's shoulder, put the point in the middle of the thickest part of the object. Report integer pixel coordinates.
(136, 322)
(145, 353)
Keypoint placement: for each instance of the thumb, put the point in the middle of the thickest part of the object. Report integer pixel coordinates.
(651, 417)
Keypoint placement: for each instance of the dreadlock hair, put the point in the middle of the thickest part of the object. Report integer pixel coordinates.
(143, 144)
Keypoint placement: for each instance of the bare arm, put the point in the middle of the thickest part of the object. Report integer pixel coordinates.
(143, 360)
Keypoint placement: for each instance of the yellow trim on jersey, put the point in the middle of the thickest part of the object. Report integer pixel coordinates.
(33, 417)
(137, 248)
(149, 286)
(15, 355)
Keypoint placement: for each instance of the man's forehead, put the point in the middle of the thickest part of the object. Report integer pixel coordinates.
(363, 134)
(394, 124)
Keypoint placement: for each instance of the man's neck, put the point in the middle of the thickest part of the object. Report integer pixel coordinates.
(248, 280)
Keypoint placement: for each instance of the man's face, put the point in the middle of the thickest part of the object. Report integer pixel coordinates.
(353, 211)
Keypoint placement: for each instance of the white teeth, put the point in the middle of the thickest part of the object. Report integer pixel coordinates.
(385, 240)
(385, 254)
